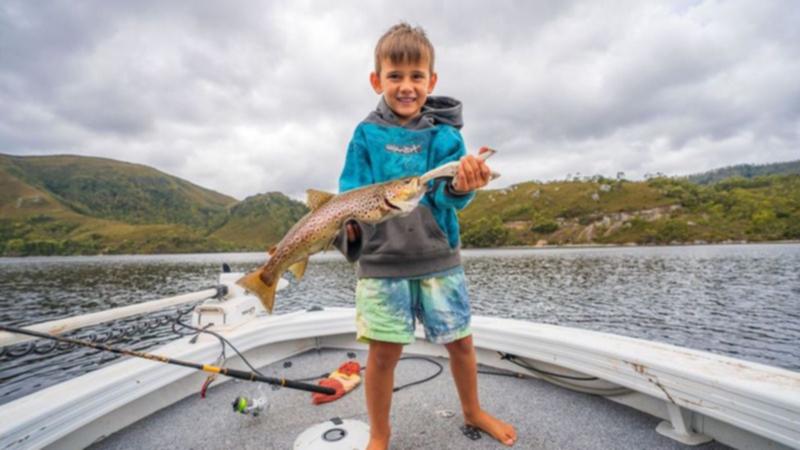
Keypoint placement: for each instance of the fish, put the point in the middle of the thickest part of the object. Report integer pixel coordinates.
(316, 230)
(328, 213)
(449, 170)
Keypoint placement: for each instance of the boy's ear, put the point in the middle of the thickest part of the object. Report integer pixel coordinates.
(432, 82)
(375, 81)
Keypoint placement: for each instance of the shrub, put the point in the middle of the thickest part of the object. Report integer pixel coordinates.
(545, 228)
(672, 230)
(792, 231)
(486, 232)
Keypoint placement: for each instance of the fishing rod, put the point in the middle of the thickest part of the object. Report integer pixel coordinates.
(233, 373)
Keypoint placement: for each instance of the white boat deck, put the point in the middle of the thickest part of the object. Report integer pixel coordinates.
(546, 416)
(661, 396)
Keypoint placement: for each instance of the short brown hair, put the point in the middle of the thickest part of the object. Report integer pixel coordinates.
(403, 44)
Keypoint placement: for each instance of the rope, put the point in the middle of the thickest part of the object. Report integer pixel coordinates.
(115, 332)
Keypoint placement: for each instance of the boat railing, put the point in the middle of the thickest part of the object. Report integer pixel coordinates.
(60, 326)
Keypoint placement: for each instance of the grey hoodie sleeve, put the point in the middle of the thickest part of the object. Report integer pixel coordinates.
(350, 250)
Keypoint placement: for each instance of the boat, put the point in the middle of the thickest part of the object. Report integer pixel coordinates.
(560, 387)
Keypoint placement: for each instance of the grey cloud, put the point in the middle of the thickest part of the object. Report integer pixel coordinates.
(246, 97)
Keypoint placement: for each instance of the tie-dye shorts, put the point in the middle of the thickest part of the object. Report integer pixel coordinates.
(387, 308)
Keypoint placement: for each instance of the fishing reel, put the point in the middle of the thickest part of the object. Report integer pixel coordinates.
(250, 406)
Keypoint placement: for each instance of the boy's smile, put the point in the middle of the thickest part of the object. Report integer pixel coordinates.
(404, 86)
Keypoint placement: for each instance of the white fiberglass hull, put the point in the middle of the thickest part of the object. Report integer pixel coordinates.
(698, 394)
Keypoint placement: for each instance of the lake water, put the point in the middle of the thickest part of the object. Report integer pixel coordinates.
(737, 300)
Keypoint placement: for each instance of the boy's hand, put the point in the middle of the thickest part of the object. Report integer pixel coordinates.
(473, 173)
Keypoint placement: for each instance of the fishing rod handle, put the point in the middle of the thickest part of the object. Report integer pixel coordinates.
(244, 375)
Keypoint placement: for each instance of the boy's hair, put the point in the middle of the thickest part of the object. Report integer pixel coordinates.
(403, 44)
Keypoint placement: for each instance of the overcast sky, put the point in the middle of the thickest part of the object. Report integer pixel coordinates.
(245, 97)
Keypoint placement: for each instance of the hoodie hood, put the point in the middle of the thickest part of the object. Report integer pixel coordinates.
(437, 110)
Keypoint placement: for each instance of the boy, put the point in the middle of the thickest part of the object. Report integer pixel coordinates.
(410, 266)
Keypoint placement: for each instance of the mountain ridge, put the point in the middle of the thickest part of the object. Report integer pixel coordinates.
(70, 204)
(746, 171)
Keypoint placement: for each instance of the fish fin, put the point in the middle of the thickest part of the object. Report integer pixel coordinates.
(253, 283)
(298, 269)
(487, 154)
(318, 198)
(272, 249)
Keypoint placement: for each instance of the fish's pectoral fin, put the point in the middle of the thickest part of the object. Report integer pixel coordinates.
(298, 269)
(317, 198)
(254, 284)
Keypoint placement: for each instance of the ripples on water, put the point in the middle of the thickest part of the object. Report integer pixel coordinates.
(741, 301)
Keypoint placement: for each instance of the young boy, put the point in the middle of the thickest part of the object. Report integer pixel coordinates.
(410, 266)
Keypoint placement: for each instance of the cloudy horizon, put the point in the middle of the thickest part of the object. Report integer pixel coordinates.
(250, 97)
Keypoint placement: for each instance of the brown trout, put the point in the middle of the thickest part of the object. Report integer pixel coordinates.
(316, 230)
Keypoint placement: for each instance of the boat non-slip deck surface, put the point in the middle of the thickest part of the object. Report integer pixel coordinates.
(425, 416)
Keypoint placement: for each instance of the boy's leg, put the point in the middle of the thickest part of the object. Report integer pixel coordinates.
(384, 319)
(446, 315)
(379, 382)
(464, 366)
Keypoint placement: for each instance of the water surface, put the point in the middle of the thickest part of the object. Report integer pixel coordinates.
(738, 300)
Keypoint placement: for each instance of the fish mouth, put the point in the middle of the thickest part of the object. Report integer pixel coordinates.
(391, 205)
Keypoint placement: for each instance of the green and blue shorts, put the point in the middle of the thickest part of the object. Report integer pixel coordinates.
(387, 308)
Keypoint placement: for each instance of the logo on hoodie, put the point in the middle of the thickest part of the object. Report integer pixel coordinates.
(404, 149)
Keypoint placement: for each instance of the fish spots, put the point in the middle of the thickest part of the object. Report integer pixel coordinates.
(369, 204)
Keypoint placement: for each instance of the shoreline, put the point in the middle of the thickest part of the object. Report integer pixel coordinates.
(634, 245)
(468, 249)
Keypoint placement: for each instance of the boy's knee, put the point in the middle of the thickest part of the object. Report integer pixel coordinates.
(384, 355)
(460, 347)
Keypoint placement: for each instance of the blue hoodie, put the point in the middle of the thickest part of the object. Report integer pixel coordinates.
(427, 240)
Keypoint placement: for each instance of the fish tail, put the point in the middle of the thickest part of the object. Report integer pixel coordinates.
(266, 292)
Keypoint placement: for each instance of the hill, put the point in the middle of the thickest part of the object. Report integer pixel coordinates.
(117, 190)
(746, 171)
(259, 221)
(79, 205)
(658, 211)
(82, 205)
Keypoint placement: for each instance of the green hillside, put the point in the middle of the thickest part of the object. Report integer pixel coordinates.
(51, 205)
(657, 211)
(116, 190)
(746, 171)
(259, 221)
(57, 205)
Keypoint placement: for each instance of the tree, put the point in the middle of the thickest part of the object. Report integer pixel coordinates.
(486, 232)
(545, 227)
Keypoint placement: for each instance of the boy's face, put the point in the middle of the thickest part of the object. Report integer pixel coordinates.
(405, 86)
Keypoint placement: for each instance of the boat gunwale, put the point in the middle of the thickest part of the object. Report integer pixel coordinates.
(610, 357)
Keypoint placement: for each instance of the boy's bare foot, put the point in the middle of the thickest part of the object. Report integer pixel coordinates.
(378, 444)
(503, 432)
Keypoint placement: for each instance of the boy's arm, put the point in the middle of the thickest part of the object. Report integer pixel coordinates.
(448, 146)
(356, 172)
